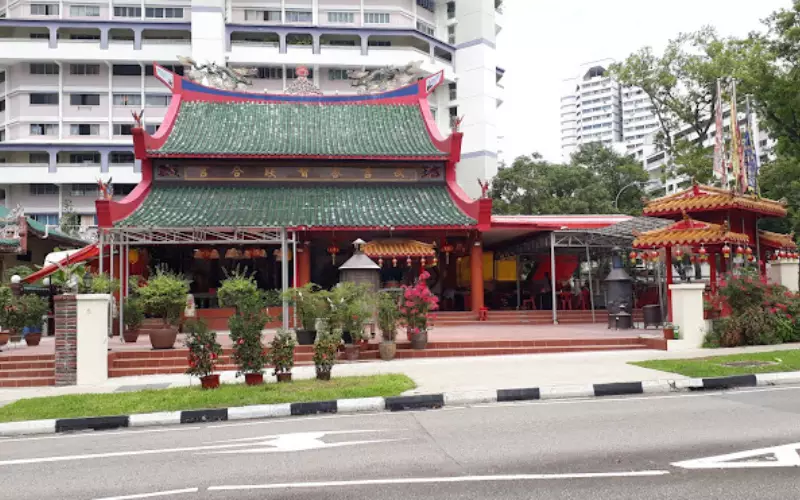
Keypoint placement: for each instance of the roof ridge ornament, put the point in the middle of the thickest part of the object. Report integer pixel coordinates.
(301, 85)
(217, 76)
(385, 78)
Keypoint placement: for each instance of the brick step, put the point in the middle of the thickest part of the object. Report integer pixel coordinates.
(164, 370)
(28, 382)
(443, 353)
(485, 344)
(26, 357)
(27, 373)
(24, 365)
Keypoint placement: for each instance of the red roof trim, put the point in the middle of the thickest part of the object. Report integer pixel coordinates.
(294, 157)
(556, 222)
(82, 255)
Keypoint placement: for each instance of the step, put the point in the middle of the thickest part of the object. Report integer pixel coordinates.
(443, 353)
(7, 356)
(28, 382)
(27, 373)
(162, 370)
(25, 365)
(487, 344)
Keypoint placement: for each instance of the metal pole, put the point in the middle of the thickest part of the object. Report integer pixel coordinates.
(758, 250)
(591, 286)
(100, 244)
(519, 292)
(122, 254)
(553, 276)
(284, 278)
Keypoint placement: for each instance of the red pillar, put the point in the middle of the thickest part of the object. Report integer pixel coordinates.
(303, 264)
(712, 262)
(668, 257)
(476, 274)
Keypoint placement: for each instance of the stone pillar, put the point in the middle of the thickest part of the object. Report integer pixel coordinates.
(786, 273)
(66, 325)
(93, 311)
(687, 314)
(476, 275)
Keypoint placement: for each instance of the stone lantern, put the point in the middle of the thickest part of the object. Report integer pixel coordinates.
(360, 269)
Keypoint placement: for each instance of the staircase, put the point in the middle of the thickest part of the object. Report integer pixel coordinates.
(27, 371)
(525, 317)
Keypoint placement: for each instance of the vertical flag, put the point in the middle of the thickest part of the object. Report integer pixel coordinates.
(720, 169)
(750, 156)
(736, 144)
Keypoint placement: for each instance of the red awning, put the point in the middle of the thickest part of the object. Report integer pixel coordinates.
(82, 255)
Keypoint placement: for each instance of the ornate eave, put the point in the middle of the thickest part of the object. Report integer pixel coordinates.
(690, 232)
(702, 198)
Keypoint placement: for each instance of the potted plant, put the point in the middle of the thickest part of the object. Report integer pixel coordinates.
(308, 302)
(164, 298)
(416, 305)
(240, 291)
(325, 353)
(348, 309)
(671, 331)
(132, 316)
(6, 302)
(388, 316)
(204, 352)
(281, 354)
(33, 308)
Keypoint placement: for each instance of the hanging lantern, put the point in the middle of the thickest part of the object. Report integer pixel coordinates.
(447, 248)
(422, 262)
(782, 254)
(773, 256)
(233, 253)
(408, 261)
(380, 261)
(435, 261)
(213, 254)
(248, 253)
(726, 251)
(748, 251)
(133, 256)
(751, 258)
(632, 256)
(654, 255)
(703, 254)
(258, 253)
(333, 250)
(678, 253)
(739, 251)
(198, 254)
(394, 261)
(692, 258)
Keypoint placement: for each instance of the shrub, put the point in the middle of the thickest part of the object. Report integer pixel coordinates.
(19, 270)
(132, 313)
(33, 309)
(348, 308)
(309, 303)
(325, 350)
(164, 296)
(241, 292)
(272, 298)
(204, 350)
(103, 283)
(417, 303)
(388, 315)
(20, 312)
(281, 354)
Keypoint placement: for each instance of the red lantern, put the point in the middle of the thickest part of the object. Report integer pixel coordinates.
(654, 255)
(751, 257)
(422, 261)
(678, 253)
(782, 254)
(333, 250)
(739, 250)
(632, 256)
(435, 261)
(692, 258)
(748, 251)
(380, 261)
(703, 254)
(394, 261)
(408, 262)
(726, 251)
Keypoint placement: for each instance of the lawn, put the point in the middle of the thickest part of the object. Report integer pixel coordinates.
(189, 398)
(717, 366)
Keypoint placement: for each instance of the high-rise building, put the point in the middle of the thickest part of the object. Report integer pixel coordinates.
(595, 108)
(71, 72)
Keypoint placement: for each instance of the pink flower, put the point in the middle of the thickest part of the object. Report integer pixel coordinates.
(240, 341)
(773, 310)
(416, 330)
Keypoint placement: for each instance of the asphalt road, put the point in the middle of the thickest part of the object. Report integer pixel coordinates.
(622, 448)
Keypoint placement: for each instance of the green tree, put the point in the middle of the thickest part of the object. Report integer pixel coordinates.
(614, 173)
(778, 180)
(70, 221)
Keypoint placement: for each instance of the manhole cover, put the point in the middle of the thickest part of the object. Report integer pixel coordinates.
(748, 364)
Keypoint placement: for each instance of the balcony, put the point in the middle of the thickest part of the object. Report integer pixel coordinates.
(66, 173)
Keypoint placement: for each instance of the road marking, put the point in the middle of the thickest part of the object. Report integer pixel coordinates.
(100, 435)
(301, 441)
(787, 455)
(434, 480)
(153, 495)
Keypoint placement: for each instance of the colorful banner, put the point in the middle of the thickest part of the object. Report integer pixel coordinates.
(736, 145)
(750, 156)
(720, 169)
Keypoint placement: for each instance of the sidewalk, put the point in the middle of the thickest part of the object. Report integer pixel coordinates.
(435, 375)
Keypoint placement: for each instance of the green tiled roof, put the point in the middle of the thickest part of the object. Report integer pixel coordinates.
(40, 228)
(223, 128)
(376, 205)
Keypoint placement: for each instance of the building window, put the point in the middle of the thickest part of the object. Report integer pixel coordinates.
(337, 74)
(342, 17)
(152, 128)
(270, 73)
(84, 129)
(453, 91)
(85, 157)
(121, 157)
(84, 69)
(163, 13)
(126, 70)
(44, 9)
(451, 34)
(83, 190)
(46, 219)
(262, 15)
(430, 5)
(291, 75)
(2, 77)
(44, 129)
(43, 98)
(127, 12)
(84, 10)
(84, 99)
(43, 69)
(426, 28)
(157, 100)
(2, 105)
(451, 10)
(39, 36)
(123, 129)
(2, 139)
(379, 43)
(39, 158)
(175, 68)
(376, 18)
(299, 16)
(127, 99)
(341, 43)
(84, 37)
(43, 189)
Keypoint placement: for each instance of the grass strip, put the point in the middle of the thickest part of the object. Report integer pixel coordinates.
(734, 364)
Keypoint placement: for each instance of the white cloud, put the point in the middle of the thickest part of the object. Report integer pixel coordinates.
(545, 41)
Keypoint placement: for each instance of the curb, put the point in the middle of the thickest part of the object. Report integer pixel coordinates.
(395, 404)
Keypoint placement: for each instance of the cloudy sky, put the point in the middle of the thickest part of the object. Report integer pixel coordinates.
(545, 41)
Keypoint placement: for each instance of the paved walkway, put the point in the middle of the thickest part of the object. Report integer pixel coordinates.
(450, 374)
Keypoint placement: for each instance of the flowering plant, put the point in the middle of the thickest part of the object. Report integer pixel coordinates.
(325, 351)
(417, 303)
(240, 291)
(281, 354)
(204, 350)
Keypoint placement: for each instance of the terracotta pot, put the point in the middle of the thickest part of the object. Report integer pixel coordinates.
(130, 336)
(669, 334)
(306, 337)
(164, 337)
(284, 377)
(351, 351)
(33, 339)
(419, 341)
(253, 378)
(323, 374)
(210, 381)
(4, 337)
(388, 349)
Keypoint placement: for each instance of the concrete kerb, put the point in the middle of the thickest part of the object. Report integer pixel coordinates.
(399, 403)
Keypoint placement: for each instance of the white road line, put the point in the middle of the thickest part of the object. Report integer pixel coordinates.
(102, 434)
(434, 480)
(787, 455)
(152, 495)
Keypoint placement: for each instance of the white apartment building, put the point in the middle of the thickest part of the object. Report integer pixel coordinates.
(71, 72)
(596, 108)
